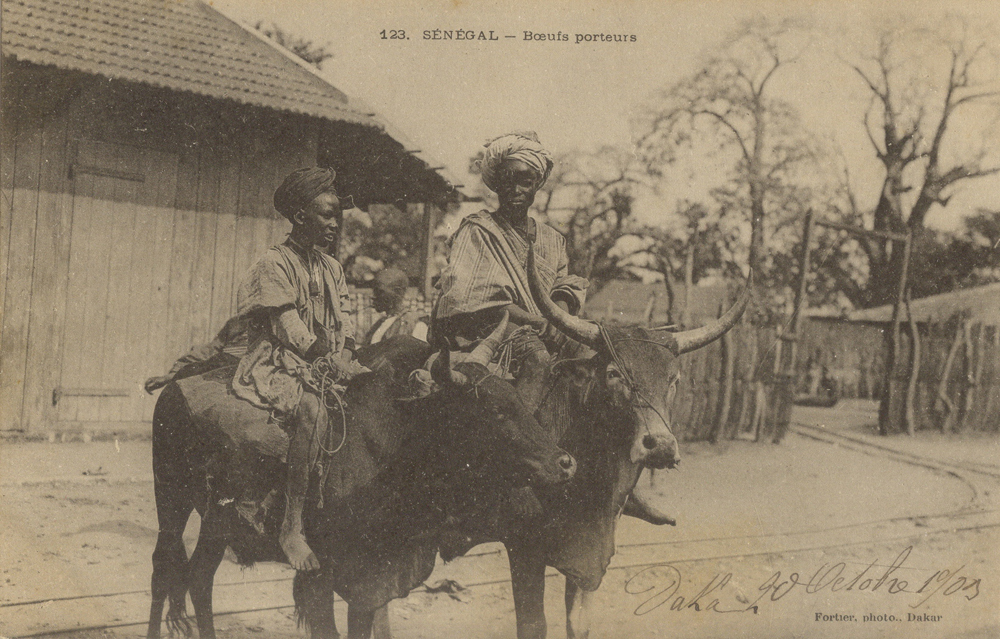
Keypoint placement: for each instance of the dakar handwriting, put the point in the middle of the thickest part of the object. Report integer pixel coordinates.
(662, 586)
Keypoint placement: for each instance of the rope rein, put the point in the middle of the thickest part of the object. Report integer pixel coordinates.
(323, 380)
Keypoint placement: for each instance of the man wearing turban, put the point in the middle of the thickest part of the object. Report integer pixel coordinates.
(293, 307)
(486, 272)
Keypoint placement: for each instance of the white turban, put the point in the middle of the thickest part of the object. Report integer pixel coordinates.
(523, 146)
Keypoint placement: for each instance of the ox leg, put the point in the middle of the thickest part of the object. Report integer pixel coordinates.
(577, 611)
(380, 624)
(359, 622)
(204, 563)
(174, 493)
(313, 594)
(527, 578)
(170, 565)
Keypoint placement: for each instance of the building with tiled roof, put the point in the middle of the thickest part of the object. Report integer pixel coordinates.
(140, 145)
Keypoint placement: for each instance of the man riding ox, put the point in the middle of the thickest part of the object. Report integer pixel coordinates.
(234, 409)
(487, 276)
(293, 308)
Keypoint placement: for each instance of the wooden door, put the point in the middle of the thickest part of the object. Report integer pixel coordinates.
(117, 301)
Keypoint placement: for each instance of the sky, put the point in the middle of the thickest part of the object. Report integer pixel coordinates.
(449, 97)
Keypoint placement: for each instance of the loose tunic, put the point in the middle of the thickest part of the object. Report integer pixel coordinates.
(291, 297)
(487, 268)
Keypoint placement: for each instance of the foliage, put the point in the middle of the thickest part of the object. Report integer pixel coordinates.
(385, 236)
(312, 53)
(726, 112)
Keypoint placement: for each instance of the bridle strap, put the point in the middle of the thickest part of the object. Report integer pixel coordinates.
(627, 374)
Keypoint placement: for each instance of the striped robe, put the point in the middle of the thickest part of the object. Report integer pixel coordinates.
(487, 269)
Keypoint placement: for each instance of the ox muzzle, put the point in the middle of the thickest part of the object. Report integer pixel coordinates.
(654, 446)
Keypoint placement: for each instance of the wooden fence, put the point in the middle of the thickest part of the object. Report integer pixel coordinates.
(724, 388)
(953, 384)
(728, 389)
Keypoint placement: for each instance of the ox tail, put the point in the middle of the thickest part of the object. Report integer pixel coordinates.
(302, 596)
(178, 621)
(313, 595)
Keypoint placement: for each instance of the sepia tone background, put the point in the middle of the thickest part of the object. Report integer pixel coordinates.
(141, 143)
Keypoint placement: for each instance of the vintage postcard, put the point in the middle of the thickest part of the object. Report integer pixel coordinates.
(496, 319)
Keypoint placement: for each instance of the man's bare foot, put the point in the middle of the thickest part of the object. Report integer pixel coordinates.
(297, 550)
(291, 539)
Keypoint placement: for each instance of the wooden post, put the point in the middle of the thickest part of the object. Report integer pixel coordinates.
(647, 314)
(688, 282)
(427, 250)
(784, 394)
(911, 388)
(892, 410)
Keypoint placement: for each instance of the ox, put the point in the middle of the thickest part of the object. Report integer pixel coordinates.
(612, 412)
(375, 533)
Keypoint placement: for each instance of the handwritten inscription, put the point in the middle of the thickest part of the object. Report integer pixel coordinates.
(663, 585)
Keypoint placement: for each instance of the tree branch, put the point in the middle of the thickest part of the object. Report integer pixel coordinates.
(729, 125)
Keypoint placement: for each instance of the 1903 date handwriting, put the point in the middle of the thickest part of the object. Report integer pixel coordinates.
(661, 586)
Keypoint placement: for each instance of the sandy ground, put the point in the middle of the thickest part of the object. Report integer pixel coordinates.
(764, 530)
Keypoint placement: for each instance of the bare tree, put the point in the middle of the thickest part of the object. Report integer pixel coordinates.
(931, 121)
(589, 198)
(701, 245)
(729, 106)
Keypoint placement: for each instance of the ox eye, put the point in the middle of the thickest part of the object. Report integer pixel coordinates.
(614, 373)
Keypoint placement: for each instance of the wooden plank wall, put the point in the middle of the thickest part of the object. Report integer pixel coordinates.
(106, 280)
(22, 166)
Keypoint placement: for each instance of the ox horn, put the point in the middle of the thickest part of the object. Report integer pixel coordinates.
(484, 353)
(444, 374)
(688, 341)
(581, 330)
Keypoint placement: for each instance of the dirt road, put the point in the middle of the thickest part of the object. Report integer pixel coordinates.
(763, 531)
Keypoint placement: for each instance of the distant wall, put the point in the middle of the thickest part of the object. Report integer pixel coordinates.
(852, 354)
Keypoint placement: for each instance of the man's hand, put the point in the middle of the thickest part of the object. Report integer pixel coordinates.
(155, 383)
(345, 369)
(319, 348)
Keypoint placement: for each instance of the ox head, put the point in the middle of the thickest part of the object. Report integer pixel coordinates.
(632, 380)
(494, 428)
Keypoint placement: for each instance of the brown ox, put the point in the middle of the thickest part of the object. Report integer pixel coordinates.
(611, 411)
